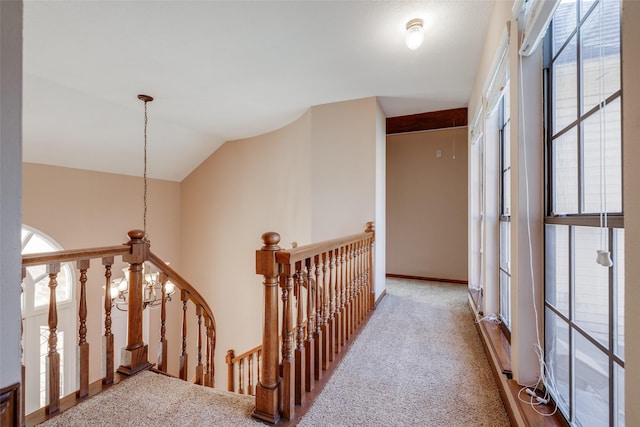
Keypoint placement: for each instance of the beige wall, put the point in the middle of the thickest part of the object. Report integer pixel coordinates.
(309, 181)
(342, 156)
(244, 189)
(81, 209)
(427, 204)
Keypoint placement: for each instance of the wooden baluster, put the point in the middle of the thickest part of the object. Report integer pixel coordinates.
(267, 390)
(241, 376)
(356, 285)
(354, 288)
(53, 357)
(347, 295)
(288, 362)
(371, 282)
(363, 280)
(259, 377)
(310, 344)
(212, 348)
(108, 367)
(300, 350)
(311, 298)
(332, 305)
(317, 333)
(343, 307)
(365, 277)
(321, 262)
(229, 360)
(184, 357)
(207, 375)
(352, 283)
(250, 375)
(199, 366)
(163, 350)
(83, 345)
(359, 282)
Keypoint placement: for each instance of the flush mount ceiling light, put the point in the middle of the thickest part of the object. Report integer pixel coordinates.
(415, 33)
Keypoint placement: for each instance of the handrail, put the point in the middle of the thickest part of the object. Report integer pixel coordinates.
(255, 349)
(181, 282)
(293, 255)
(70, 255)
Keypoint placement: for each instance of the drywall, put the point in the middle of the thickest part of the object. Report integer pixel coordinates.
(427, 204)
(10, 164)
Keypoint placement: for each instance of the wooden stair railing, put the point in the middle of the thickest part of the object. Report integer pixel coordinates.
(330, 287)
(135, 355)
(246, 367)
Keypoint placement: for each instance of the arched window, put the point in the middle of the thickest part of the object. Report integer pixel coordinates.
(35, 310)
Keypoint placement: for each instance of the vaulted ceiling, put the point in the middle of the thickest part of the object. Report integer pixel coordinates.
(225, 70)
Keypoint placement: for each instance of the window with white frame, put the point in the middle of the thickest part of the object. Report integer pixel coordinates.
(35, 311)
(584, 296)
(505, 209)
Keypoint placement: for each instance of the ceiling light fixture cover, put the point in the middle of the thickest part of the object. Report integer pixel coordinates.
(415, 33)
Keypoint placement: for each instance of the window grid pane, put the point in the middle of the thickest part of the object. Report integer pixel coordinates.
(591, 283)
(565, 87)
(565, 173)
(618, 257)
(557, 267)
(591, 368)
(557, 359)
(595, 162)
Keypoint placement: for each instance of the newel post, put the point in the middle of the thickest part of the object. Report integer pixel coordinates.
(134, 356)
(372, 273)
(267, 408)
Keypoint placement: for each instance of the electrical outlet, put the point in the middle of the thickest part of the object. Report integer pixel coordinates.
(438, 153)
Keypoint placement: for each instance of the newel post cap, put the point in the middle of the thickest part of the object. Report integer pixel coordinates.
(371, 226)
(136, 234)
(270, 240)
(139, 247)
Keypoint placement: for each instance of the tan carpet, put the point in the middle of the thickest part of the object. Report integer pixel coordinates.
(418, 362)
(150, 399)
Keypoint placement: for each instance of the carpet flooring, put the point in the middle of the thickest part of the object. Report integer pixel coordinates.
(418, 362)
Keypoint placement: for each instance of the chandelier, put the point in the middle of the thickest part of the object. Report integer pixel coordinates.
(154, 287)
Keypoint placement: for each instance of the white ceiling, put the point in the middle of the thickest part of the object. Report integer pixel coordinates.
(224, 70)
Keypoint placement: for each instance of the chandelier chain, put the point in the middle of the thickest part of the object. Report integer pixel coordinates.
(145, 171)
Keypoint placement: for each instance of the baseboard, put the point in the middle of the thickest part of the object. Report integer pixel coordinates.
(429, 279)
(382, 295)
